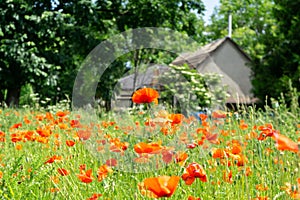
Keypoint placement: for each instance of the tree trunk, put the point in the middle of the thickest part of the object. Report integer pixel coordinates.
(1, 97)
(13, 96)
(108, 105)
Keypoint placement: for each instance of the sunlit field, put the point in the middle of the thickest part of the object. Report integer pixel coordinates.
(150, 153)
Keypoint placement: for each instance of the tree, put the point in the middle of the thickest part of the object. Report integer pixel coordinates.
(251, 21)
(179, 15)
(281, 63)
(43, 43)
(26, 46)
(268, 31)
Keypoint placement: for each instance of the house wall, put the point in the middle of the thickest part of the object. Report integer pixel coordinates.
(233, 62)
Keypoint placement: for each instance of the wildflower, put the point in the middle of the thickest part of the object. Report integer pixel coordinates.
(285, 143)
(167, 156)
(218, 153)
(111, 162)
(193, 198)
(15, 126)
(53, 158)
(95, 196)
(62, 113)
(145, 95)
(261, 198)
(192, 171)
(44, 132)
(218, 114)
(143, 147)
(261, 187)
(191, 145)
(18, 146)
(2, 136)
(16, 137)
(103, 171)
(176, 118)
(143, 158)
(212, 138)
(267, 131)
(162, 186)
(54, 190)
(293, 191)
(85, 176)
(63, 171)
(227, 177)
(181, 158)
(70, 143)
(75, 123)
(116, 145)
(54, 179)
(84, 134)
(243, 125)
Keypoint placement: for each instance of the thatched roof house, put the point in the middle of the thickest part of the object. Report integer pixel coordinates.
(222, 56)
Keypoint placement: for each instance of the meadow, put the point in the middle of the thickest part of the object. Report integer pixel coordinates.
(151, 153)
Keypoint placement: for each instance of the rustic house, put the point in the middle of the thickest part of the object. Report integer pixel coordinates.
(222, 56)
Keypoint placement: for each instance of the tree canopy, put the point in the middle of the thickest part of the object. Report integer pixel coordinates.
(268, 31)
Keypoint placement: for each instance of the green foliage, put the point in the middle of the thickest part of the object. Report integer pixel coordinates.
(251, 21)
(192, 91)
(42, 44)
(189, 89)
(268, 31)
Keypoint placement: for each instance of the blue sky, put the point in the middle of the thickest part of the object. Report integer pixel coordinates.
(209, 6)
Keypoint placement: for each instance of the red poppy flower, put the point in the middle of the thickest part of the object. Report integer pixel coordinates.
(44, 132)
(293, 190)
(266, 131)
(85, 176)
(103, 171)
(212, 138)
(167, 156)
(143, 147)
(227, 177)
(145, 95)
(17, 125)
(218, 153)
(181, 157)
(53, 158)
(63, 171)
(62, 113)
(218, 114)
(192, 171)
(75, 123)
(84, 134)
(203, 117)
(162, 186)
(111, 162)
(94, 196)
(176, 118)
(70, 143)
(193, 198)
(143, 158)
(285, 143)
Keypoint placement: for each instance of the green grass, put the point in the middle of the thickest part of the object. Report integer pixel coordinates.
(26, 176)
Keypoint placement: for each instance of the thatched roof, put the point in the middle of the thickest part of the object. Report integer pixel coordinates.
(202, 60)
(194, 59)
(147, 78)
